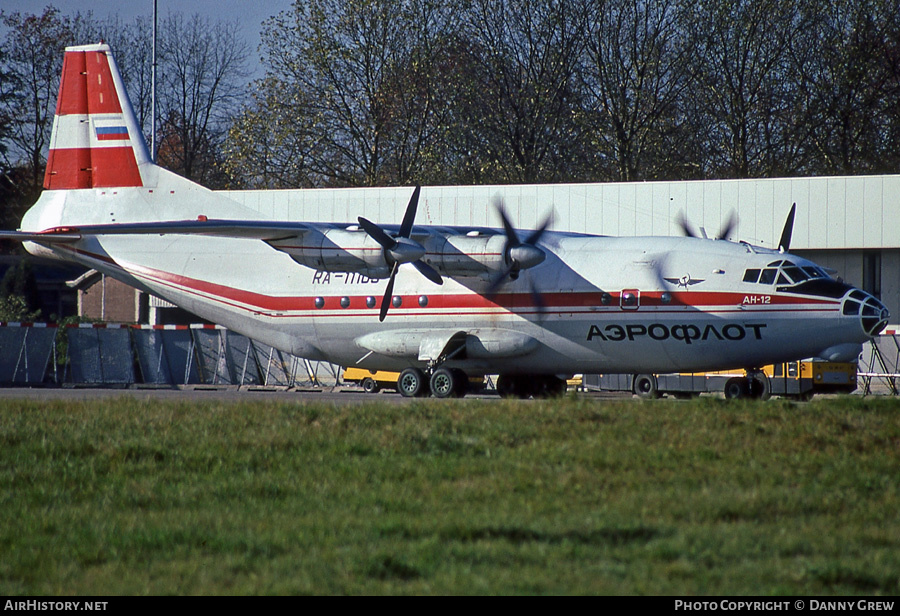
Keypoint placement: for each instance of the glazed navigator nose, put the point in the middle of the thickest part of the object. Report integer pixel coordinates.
(873, 315)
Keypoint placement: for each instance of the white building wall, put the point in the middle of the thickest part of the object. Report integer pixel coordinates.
(832, 212)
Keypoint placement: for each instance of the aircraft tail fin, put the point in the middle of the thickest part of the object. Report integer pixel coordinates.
(96, 140)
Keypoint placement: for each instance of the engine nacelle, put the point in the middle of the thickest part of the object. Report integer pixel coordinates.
(466, 255)
(336, 250)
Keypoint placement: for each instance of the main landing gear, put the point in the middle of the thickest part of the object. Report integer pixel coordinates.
(754, 386)
(530, 385)
(453, 383)
(442, 383)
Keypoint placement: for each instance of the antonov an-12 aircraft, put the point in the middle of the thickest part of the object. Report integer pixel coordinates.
(438, 304)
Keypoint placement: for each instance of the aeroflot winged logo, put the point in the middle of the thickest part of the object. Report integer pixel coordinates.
(685, 281)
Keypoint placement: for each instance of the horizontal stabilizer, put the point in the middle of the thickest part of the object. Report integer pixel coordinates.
(58, 237)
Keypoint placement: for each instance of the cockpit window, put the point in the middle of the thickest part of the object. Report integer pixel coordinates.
(795, 273)
(768, 276)
(785, 272)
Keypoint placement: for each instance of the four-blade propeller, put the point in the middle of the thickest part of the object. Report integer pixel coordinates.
(724, 232)
(520, 255)
(784, 244)
(400, 249)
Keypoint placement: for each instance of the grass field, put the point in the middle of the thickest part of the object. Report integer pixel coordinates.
(466, 497)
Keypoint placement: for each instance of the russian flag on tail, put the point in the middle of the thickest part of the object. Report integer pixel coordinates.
(96, 142)
(111, 133)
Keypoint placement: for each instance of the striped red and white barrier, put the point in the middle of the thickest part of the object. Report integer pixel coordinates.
(114, 325)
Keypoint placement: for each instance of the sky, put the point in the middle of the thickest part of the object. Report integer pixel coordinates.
(250, 14)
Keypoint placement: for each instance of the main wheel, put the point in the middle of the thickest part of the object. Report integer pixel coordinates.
(736, 388)
(759, 387)
(646, 387)
(411, 383)
(506, 386)
(550, 387)
(444, 383)
(462, 382)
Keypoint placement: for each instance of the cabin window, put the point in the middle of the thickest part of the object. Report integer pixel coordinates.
(345, 302)
(629, 299)
(423, 300)
(320, 302)
(370, 302)
(397, 301)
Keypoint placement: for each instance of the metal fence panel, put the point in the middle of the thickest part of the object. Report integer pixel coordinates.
(98, 355)
(150, 348)
(242, 358)
(38, 346)
(273, 368)
(11, 342)
(212, 358)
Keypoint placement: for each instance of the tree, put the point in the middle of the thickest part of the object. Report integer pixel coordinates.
(201, 73)
(519, 102)
(743, 90)
(638, 70)
(19, 297)
(847, 65)
(355, 92)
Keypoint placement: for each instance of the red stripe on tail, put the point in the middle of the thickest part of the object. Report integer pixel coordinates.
(115, 167)
(69, 168)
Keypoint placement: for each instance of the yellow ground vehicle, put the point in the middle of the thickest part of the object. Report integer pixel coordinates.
(797, 379)
(371, 381)
(374, 381)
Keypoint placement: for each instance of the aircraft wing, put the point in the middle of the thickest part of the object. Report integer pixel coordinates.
(248, 229)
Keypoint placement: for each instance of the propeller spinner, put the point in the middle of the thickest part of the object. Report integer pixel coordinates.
(400, 249)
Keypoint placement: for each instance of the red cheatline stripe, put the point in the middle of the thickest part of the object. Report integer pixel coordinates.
(460, 301)
(562, 302)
